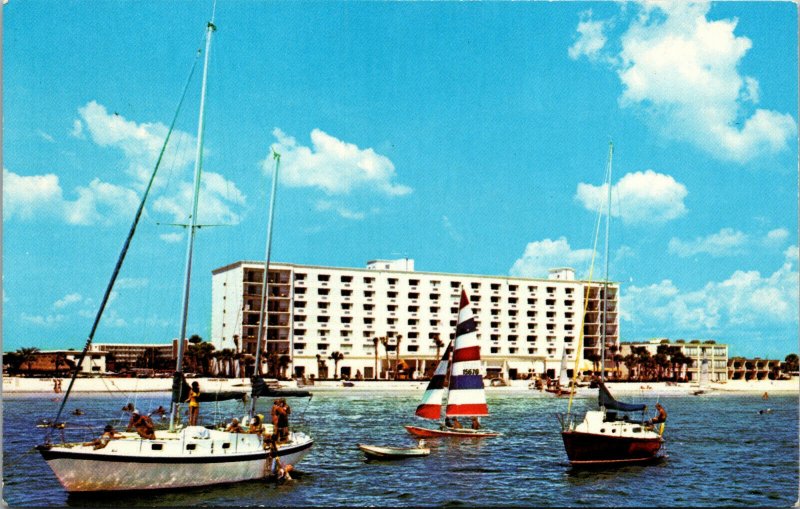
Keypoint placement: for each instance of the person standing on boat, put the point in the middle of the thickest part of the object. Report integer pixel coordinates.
(283, 420)
(194, 405)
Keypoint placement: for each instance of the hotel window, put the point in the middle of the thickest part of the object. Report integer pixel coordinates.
(513, 338)
(299, 304)
(323, 305)
(299, 291)
(346, 306)
(323, 291)
(551, 289)
(413, 321)
(392, 281)
(512, 349)
(347, 279)
(551, 314)
(434, 309)
(455, 285)
(299, 276)
(391, 308)
(299, 318)
(433, 296)
(495, 349)
(434, 323)
(413, 309)
(322, 346)
(369, 294)
(413, 282)
(369, 280)
(392, 295)
(454, 310)
(531, 339)
(346, 293)
(369, 321)
(495, 286)
(413, 296)
(413, 348)
(323, 319)
(346, 319)
(369, 307)
(299, 346)
(391, 321)
(474, 298)
(532, 302)
(512, 288)
(551, 327)
(531, 314)
(512, 300)
(569, 302)
(495, 337)
(512, 312)
(453, 323)
(475, 285)
(569, 291)
(495, 300)
(495, 325)
(323, 277)
(550, 302)
(531, 351)
(532, 289)
(495, 312)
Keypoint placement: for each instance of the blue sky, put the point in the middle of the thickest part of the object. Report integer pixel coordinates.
(471, 137)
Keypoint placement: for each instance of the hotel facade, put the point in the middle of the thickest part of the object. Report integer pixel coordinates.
(524, 325)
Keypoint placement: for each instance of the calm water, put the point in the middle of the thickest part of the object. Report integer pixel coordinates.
(721, 452)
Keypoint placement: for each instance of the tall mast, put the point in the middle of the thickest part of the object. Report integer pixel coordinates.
(605, 284)
(198, 166)
(264, 313)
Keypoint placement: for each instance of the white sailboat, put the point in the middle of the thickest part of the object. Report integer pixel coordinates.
(458, 382)
(182, 456)
(604, 437)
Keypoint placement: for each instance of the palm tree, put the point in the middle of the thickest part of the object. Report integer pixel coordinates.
(28, 356)
(397, 355)
(375, 343)
(385, 343)
(792, 362)
(60, 360)
(283, 364)
(336, 357)
(439, 344)
(630, 363)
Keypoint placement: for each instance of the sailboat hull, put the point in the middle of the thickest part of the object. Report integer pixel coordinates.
(597, 449)
(421, 432)
(166, 463)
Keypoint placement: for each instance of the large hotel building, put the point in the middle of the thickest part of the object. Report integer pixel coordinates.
(524, 325)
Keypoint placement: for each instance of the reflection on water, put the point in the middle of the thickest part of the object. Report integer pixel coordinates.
(722, 451)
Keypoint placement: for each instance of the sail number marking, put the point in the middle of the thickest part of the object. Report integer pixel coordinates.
(471, 372)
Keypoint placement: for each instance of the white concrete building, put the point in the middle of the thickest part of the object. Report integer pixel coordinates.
(524, 324)
(713, 353)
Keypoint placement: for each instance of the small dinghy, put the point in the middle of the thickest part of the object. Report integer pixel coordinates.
(384, 452)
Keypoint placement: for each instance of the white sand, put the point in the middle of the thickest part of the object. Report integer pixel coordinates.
(31, 386)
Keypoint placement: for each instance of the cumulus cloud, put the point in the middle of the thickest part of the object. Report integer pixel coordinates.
(590, 40)
(342, 211)
(776, 237)
(42, 320)
(539, 256)
(333, 165)
(217, 200)
(682, 69)
(726, 242)
(746, 299)
(642, 197)
(68, 299)
(140, 142)
(36, 197)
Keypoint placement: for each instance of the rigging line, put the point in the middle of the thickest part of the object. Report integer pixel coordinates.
(588, 288)
(124, 252)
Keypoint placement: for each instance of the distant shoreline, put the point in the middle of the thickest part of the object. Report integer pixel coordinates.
(24, 386)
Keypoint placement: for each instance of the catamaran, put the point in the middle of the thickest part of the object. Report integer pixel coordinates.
(181, 456)
(459, 383)
(605, 437)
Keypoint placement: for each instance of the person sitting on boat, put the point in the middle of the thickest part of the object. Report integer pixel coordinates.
(142, 424)
(160, 411)
(234, 426)
(456, 424)
(476, 423)
(109, 434)
(194, 405)
(660, 417)
(255, 425)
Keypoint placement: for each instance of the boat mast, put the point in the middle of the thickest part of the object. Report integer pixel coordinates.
(264, 316)
(198, 166)
(605, 284)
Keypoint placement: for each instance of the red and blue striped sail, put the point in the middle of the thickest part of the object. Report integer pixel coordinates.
(431, 406)
(466, 396)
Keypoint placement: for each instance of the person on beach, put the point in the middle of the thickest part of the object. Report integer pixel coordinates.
(142, 424)
(234, 426)
(194, 405)
(109, 433)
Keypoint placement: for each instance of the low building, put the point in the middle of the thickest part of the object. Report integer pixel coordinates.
(46, 362)
(740, 368)
(715, 355)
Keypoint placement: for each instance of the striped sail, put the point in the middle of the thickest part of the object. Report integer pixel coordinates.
(466, 396)
(431, 406)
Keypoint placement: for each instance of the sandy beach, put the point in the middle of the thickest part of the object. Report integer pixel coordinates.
(14, 386)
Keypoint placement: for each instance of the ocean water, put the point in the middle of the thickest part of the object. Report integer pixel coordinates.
(722, 452)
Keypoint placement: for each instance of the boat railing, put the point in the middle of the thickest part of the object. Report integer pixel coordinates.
(567, 421)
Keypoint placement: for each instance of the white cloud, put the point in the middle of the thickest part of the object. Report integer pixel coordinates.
(141, 143)
(590, 40)
(745, 300)
(346, 213)
(171, 237)
(335, 166)
(30, 197)
(683, 70)
(130, 282)
(217, 201)
(68, 299)
(101, 203)
(776, 237)
(641, 197)
(726, 242)
(42, 320)
(77, 130)
(546, 254)
(45, 136)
